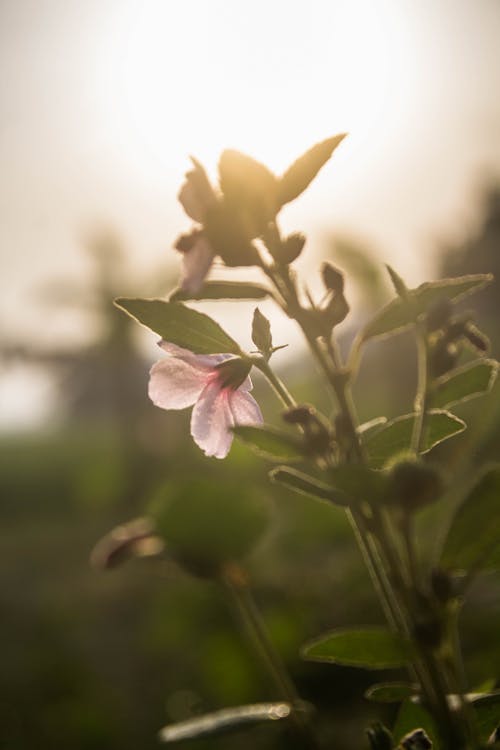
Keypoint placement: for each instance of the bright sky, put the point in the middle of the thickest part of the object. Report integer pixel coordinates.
(103, 100)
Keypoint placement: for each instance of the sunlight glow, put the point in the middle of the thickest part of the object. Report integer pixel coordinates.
(267, 78)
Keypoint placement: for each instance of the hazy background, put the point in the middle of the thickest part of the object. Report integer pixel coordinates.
(101, 103)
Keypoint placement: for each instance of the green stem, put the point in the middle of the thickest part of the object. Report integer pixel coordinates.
(281, 390)
(421, 394)
(235, 583)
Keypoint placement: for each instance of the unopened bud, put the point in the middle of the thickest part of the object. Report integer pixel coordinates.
(418, 739)
(290, 248)
(414, 484)
(379, 737)
(333, 279)
(302, 414)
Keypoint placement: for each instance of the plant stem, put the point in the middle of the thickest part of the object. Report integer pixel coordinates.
(281, 390)
(235, 583)
(421, 394)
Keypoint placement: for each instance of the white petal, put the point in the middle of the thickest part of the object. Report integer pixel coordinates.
(175, 384)
(211, 421)
(244, 408)
(196, 264)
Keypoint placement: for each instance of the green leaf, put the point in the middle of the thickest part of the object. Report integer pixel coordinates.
(298, 176)
(414, 716)
(464, 383)
(395, 436)
(270, 442)
(261, 333)
(400, 313)
(359, 482)
(391, 692)
(475, 529)
(180, 325)
(306, 485)
(487, 710)
(223, 290)
(227, 719)
(372, 648)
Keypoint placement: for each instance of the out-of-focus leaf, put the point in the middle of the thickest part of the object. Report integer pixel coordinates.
(373, 425)
(414, 716)
(298, 176)
(228, 719)
(359, 482)
(487, 710)
(180, 325)
(475, 529)
(371, 648)
(306, 485)
(270, 442)
(464, 383)
(401, 313)
(223, 290)
(395, 436)
(391, 692)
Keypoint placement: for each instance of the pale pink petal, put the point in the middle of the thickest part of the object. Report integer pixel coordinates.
(176, 384)
(244, 408)
(211, 421)
(196, 265)
(198, 361)
(196, 194)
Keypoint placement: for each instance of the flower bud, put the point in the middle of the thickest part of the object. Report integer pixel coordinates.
(379, 737)
(416, 740)
(333, 279)
(414, 484)
(290, 248)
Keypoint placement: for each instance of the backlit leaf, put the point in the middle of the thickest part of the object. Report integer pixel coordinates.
(226, 720)
(395, 436)
(391, 692)
(223, 290)
(475, 529)
(306, 485)
(464, 383)
(401, 313)
(414, 716)
(372, 648)
(299, 175)
(270, 442)
(180, 325)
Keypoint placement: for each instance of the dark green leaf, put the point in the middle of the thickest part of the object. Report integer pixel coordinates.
(223, 290)
(306, 485)
(372, 648)
(464, 383)
(223, 721)
(400, 313)
(414, 716)
(475, 529)
(298, 176)
(261, 333)
(180, 325)
(391, 692)
(359, 482)
(395, 436)
(270, 442)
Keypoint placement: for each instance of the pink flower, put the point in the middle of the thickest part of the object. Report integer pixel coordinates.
(196, 197)
(217, 385)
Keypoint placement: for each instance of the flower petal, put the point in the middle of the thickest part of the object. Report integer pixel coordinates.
(175, 383)
(196, 264)
(196, 194)
(199, 361)
(244, 408)
(211, 421)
